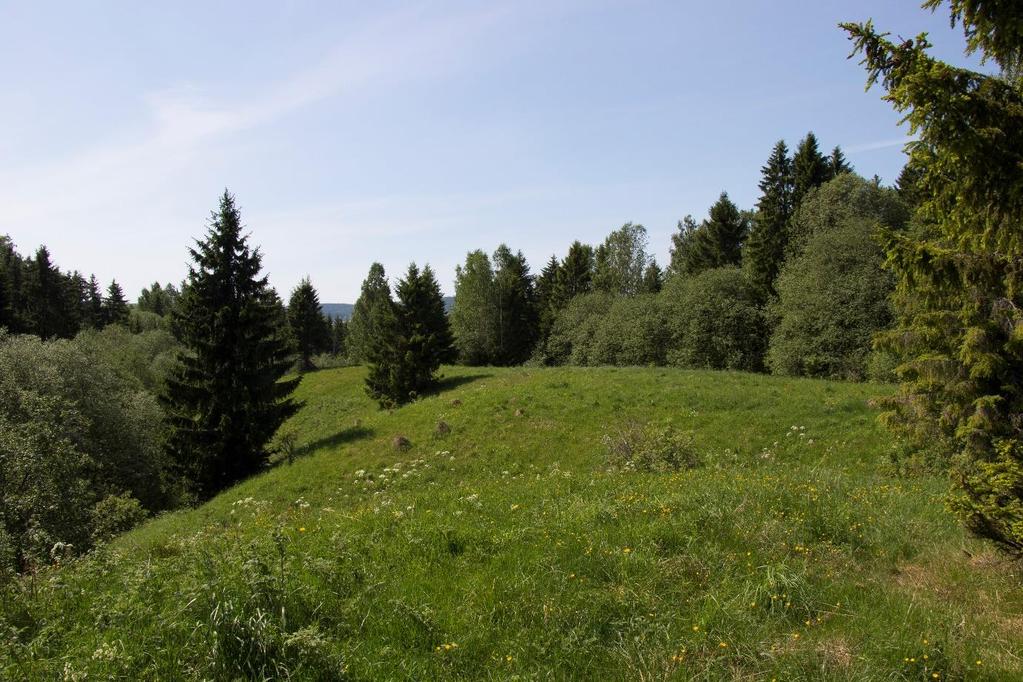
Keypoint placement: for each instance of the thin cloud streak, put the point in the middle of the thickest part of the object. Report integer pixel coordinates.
(880, 144)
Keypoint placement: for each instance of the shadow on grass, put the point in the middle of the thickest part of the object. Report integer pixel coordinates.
(451, 383)
(348, 435)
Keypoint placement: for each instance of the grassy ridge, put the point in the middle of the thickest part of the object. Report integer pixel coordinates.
(505, 548)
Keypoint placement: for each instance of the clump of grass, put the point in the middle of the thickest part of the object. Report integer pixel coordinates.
(651, 448)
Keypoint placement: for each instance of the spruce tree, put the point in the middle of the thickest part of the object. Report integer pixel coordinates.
(908, 185)
(44, 296)
(338, 335)
(376, 291)
(548, 296)
(308, 327)
(765, 250)
(6, 300)
(718, 241)
(76, 299)
(92, 316)
(115, 306)
(413, 339)
(515, 296)
(226, 398)
(809, 169)
(959, 285)
(653, 278)
(837, 164)
(430, 314)
(576, 273)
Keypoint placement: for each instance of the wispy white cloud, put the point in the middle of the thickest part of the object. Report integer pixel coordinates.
(119, 179)
(879, 144)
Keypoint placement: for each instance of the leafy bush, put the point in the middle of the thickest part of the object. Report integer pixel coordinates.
(846, 198)
(634, 331)
(651, 448)
(714, 321)
(832, 299)
(115, 514)
(601, 329)
(74, 428)
(572, 337)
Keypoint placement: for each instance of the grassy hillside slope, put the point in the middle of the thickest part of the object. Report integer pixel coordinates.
(505, 549)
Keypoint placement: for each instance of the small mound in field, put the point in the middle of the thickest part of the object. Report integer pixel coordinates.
(401, 443)
(443, 428)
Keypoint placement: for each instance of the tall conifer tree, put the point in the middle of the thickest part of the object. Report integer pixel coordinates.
(93, 315)
(653, 278)
(517, 317)
(226, 398)
(115, 306)
(769, 236)
(810, 169)
(718, 241)
(308, 326)
(959, 301)
(837, 163)
(412, 340)
(548, 295)
(576, 273)
(44, 296)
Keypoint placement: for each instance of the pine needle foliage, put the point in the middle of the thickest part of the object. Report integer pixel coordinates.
(960, 282)
(226, 398)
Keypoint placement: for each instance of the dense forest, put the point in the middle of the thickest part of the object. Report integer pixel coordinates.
(110, 412)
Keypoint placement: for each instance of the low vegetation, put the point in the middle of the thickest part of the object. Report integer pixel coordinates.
(511, 543)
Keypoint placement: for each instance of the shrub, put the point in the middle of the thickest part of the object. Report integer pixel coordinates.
(74, 428)
(832, 299)
(714, 321)
(633, 331)
(846, 198)
(115, 514)
(572, 337)
(651, 448)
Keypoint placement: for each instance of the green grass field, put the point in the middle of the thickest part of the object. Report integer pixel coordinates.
(506, 548)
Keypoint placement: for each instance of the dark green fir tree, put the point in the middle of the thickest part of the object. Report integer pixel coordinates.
(653, 278)
(92, 315)
(838, 163)
(769, 236)
(576, 274)
(549, 299)
(810, 169)
(308, 326)
(517, 318)
(226, 398)
(412, 340)
(718, 241)
(115, 305)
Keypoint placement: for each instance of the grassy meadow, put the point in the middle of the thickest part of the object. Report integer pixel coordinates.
(503, 547)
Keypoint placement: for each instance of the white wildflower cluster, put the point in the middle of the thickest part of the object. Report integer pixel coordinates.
(301, 503)
(248, 503)
(107, 651)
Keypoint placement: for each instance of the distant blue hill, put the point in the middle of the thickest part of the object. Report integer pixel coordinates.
(344, 310)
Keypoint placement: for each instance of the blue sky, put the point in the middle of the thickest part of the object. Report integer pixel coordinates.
(352, 131)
